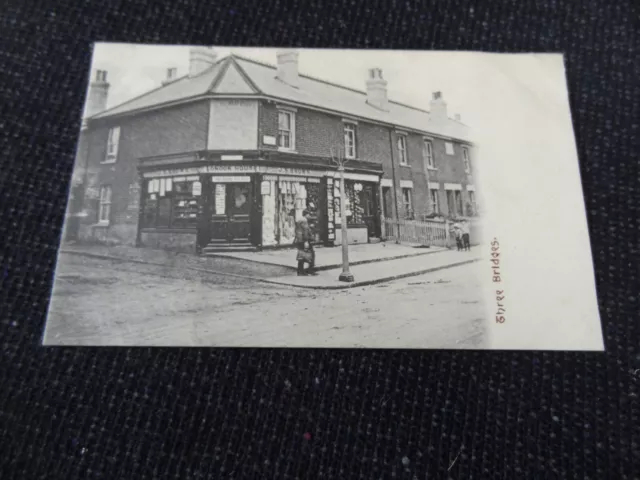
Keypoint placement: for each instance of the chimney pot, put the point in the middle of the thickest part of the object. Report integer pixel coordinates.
(457, 117)
(287, 61)
(377, 89)
(201, 59)
(171, 75)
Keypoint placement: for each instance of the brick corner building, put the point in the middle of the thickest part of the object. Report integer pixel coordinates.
(222, 155)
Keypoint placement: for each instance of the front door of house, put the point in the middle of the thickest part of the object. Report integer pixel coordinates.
(231, 211)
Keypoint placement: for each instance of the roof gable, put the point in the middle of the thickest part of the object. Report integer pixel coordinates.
(179, 90)
(231, 81)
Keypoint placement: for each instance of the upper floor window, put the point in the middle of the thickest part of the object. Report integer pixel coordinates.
(466, 160)
(286, 129)
(448, 147)
(428, 154)
(402, 149)
(104, 211)
(113, 141)
(349, 140)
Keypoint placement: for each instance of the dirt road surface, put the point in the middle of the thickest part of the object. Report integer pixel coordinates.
(105, 302)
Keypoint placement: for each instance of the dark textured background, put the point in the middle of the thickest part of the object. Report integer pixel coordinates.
(78, 413)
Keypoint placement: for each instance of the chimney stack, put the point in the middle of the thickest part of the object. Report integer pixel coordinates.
(438, 109)
(288, 67)
(457, 117)
(377, 89)
(172, 73)
(201, 59)
(98, 92)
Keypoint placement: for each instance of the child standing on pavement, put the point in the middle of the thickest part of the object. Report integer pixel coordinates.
(466, 231)
(457, 232)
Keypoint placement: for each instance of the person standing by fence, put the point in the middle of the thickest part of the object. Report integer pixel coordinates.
(456, 230)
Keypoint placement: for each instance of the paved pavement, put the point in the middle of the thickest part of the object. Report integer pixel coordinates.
(384, 271)
(374, 263)
(111, 302)
(331, 257)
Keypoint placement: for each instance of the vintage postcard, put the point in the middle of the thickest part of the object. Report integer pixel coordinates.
(260, 197)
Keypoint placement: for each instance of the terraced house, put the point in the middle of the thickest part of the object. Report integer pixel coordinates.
(221, 156)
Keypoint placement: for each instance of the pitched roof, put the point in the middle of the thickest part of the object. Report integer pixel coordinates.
(181, 89)
(311, 91)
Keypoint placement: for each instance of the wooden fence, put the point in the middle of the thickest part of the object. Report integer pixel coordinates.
(414, 232)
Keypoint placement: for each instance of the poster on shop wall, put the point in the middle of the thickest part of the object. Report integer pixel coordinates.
(471, 234)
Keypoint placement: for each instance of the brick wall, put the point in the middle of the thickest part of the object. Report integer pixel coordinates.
(449, 169)
(167, 131)
(374, 143)
(317, 132)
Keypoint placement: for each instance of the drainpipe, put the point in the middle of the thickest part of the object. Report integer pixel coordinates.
(141, 208)
(395, 192)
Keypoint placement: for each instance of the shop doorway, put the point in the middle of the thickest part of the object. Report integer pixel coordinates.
(369, 205)
(231, 212)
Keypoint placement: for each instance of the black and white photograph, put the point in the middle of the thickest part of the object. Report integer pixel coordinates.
(280, 197)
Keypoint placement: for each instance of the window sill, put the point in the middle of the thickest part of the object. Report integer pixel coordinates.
(108, 162)
(405, 165)
(100, 225)
(433, 169)
(287, 150)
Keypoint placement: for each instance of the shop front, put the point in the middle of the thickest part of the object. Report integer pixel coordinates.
(208, 206)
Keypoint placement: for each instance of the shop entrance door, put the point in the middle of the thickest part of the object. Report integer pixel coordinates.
(231, 212)
(369, 204)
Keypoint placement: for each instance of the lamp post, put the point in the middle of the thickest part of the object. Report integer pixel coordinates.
(346, 275)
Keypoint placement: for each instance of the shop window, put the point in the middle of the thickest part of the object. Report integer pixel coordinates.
(104, 212)
(353, 204)
(113, 142)
(170, 203)
(313, 206)
(286, 130)
(289, 198)
(185, 206)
